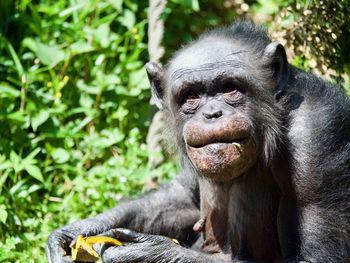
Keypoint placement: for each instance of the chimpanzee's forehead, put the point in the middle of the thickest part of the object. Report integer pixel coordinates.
(211, 50)
(209, 59)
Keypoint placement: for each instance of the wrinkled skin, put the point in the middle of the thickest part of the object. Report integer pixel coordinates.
(221, 150)
(265, 163)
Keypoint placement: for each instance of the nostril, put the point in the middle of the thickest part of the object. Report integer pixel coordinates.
(216, 114)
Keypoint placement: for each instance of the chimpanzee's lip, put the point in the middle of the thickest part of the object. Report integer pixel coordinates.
(232, 141)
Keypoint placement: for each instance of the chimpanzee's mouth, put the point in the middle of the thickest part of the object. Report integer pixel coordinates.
(236, 142)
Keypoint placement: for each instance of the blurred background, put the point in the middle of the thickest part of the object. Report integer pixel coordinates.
(75, 105)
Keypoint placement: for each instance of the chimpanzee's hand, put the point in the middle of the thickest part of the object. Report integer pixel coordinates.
(57, 248)
(139, 247)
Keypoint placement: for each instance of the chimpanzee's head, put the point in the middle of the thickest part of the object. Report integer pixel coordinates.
(220, 93)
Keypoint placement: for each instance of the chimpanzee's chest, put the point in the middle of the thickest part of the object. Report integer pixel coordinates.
(235, 225)
(214, 219)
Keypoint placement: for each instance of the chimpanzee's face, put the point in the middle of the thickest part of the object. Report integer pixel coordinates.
(209, 97)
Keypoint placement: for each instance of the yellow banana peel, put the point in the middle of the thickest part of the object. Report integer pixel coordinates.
(175, 241)
(83, 251)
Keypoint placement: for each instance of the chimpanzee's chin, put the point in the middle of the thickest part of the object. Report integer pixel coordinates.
(223, 161)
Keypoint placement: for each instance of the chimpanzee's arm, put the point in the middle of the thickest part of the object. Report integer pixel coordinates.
(170, 211)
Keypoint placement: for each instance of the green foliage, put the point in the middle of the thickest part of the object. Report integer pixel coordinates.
(74, 108)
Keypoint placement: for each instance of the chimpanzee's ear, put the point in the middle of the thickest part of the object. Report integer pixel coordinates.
(155, 75)
(275, 57)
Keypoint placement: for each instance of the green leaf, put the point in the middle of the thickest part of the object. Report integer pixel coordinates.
(34, 171)
(81, 46)
(30, 43)
(195, 5)
(16, 116)
(14, 56)
(3, 214)
(60, 155)
(72, 9)
(4, 165)
(49, 55)
(267, 7)
(7, 91)
(16, 161)
(86, 101)
(128, 19)
(112, 79)
(102, 35)
(138, 82)
(39, 119)
(117, 4)
(33, 153)
(82, 124)
(111, 137)
(91, 89)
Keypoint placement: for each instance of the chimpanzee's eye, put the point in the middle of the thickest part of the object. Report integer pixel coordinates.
(190, 97)
(232, 93)
(190, 101)
(229, 88)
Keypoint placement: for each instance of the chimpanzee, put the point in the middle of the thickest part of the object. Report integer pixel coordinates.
(265, 162)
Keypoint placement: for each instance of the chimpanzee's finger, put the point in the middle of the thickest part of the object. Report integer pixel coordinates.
(119, 254)
(133, 252)
(128, 235)
(56, 249)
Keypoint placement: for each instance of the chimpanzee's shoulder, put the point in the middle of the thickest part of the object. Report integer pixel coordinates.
(315, 91)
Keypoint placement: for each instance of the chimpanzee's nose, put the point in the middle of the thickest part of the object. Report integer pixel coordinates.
(212, 115)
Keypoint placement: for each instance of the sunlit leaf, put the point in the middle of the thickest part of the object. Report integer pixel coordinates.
(91, 89)
(60, 155)
(17, 116)
(3, 214)
(39, 119)
(267, 7)
(81, 46)
(117, 4)
(7, 91)
(128, 19)
(102, 35)
(138, 82)
(30, 43)
(195, 5)
(34, 171)
(111, 137)
(4, 165)
(14, 56)
(33, 153)
(49, 55)
(16, 161)
(73, 8)
(86, 101)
